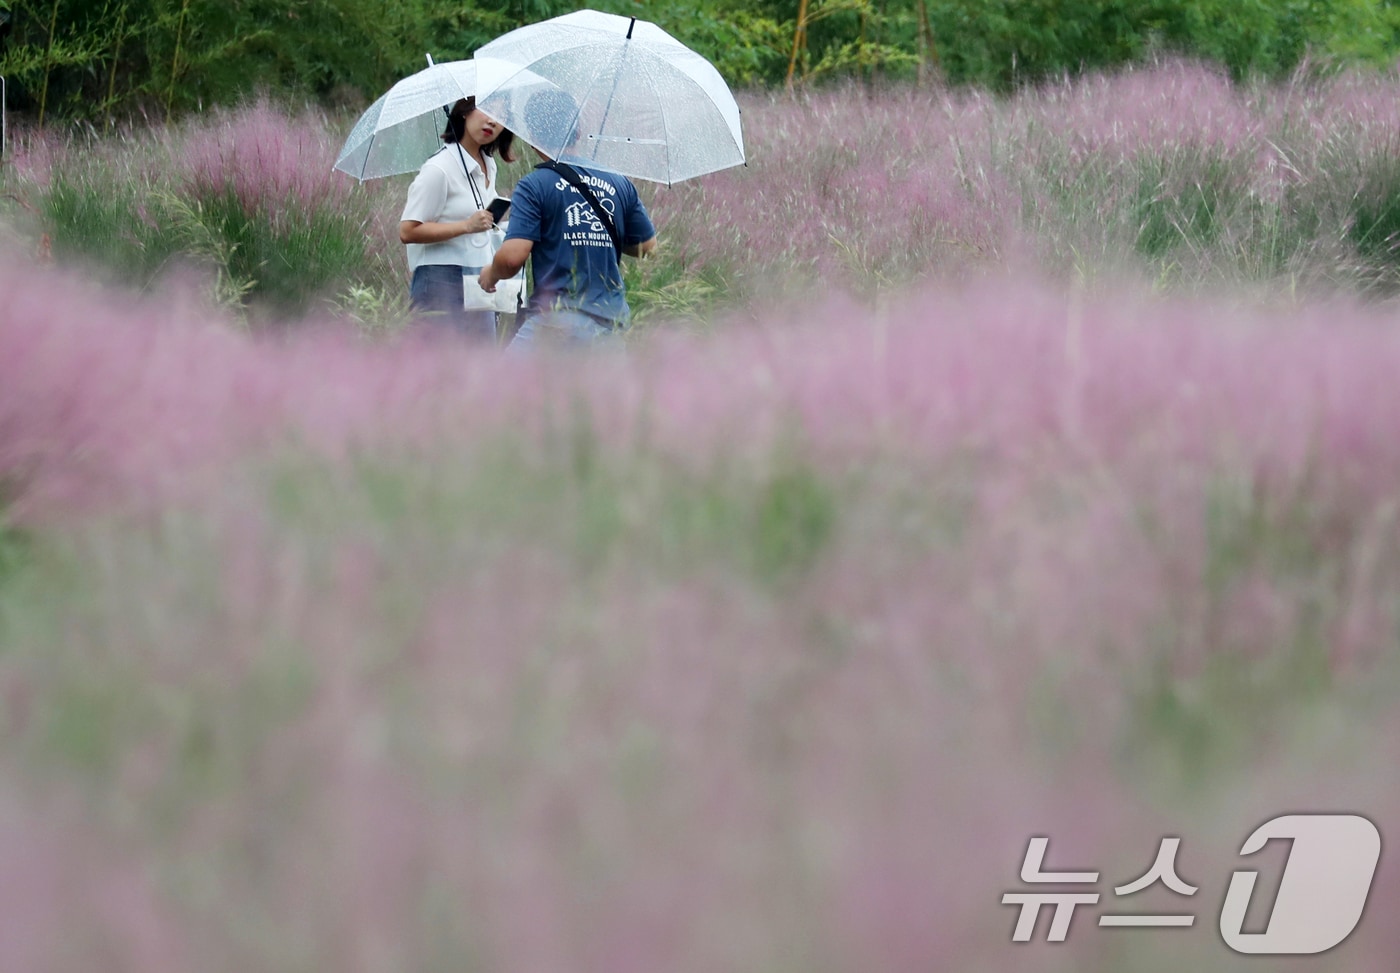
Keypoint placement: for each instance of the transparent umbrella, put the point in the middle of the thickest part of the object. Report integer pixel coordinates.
(639, 102)
(400, 130)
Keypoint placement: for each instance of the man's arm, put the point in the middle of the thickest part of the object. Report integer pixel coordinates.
(642, 249)
(507, 263)
(638, 223)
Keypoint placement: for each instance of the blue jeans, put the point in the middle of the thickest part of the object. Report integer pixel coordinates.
(436, 294)
(564, 329)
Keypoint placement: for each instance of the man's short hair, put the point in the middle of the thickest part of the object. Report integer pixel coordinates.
(552, 118)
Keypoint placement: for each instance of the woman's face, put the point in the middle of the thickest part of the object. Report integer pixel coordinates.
(480, 128)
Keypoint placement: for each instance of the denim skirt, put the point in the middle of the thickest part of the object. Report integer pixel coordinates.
(436, 298)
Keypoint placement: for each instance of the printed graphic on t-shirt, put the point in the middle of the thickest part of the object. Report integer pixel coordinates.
(582, 227)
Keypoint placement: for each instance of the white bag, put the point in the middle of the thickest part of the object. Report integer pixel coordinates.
(510, 292)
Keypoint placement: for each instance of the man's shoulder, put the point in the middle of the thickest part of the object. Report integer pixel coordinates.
(543, 177)
(537, 178)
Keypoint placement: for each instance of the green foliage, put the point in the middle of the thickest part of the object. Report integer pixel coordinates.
(1374, 226)
(794, 519)
(101, 222)
(129, 222)
(93, 61)
(203, 241)
(664, 289)
(1193, 214)
(164, 56)
(14, 550)
(284, 263)
(377, 311)
(745, 47)
(1264, 37)
(1215, 718)
(1002, 43)
(98, 60)
(1192, 730)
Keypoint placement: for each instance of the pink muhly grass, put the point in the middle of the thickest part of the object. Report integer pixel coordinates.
(101, 392)
(417, 658)
(67, 901)
(1142, 111)
(866, 191)
(391, 718)
(1140, 415)
(31, 152)
(835, 191)
(275, 166)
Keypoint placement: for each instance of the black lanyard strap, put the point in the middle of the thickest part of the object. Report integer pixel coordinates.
(476, 193)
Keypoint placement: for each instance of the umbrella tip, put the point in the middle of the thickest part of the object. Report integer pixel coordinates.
(630, 26)
(430, 59)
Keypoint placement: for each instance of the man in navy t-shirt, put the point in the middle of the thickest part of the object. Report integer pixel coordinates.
(578, 295)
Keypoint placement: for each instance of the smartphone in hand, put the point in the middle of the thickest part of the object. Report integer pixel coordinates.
(497, 208)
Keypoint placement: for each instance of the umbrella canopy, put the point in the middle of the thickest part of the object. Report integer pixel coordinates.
(400, 130)
(639, 103)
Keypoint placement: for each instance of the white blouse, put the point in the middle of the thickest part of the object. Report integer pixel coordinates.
(450, 187)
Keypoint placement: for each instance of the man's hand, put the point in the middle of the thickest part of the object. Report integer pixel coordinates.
(507, 263)
(643, 249)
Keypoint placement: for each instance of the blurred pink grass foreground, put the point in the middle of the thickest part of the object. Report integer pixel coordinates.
(339, 740)
(107, 399)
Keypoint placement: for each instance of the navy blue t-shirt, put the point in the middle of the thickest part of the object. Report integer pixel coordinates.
(573, 258)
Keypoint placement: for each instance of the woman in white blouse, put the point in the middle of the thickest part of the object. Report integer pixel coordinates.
(445, 219)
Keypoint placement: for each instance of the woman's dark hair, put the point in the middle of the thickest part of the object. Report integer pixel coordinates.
(502, 144)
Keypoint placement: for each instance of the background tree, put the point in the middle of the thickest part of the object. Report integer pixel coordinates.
(101, 60)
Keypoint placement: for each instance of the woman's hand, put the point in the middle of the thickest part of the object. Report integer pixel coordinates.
(411, 231)
(477, 222)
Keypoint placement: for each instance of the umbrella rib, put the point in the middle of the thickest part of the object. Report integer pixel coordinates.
(622, 53)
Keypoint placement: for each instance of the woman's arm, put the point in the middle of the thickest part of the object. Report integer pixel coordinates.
(412, 231)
